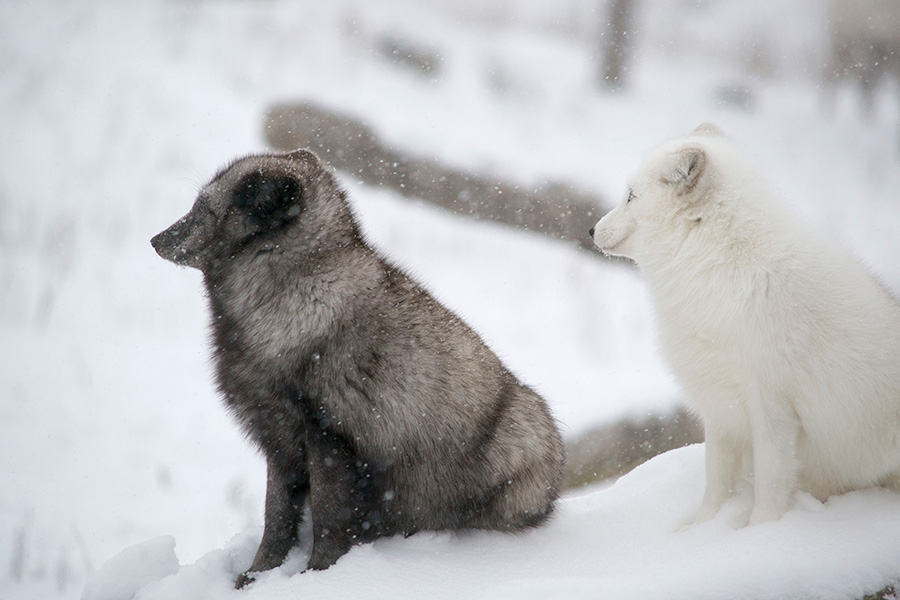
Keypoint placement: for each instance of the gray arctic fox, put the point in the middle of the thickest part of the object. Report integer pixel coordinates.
(374, 405)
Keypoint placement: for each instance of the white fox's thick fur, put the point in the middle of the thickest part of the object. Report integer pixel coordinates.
(785, 346)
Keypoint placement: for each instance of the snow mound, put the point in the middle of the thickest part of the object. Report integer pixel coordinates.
(135, 568)
(616, 542)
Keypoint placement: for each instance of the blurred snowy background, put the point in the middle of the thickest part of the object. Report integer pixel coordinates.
(113, 114)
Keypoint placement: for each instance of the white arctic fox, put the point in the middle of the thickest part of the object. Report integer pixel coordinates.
(786, 347)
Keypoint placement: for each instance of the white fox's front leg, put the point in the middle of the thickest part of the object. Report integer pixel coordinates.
(775, 431)
(723, 463)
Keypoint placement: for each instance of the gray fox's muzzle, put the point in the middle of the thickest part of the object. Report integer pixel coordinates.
(185, 242)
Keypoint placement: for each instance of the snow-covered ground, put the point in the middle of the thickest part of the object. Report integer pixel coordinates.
(619, 542)
(111, 434)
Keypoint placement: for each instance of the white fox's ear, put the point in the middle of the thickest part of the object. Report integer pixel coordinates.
(688, 167)
(708, 129)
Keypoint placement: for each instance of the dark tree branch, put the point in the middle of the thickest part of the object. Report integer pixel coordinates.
(553, 209)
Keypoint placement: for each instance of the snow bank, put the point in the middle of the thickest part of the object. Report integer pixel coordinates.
(136, 568)
(615, 543)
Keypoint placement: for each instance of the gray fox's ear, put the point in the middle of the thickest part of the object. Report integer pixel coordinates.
(303, 154)
(686, 170)
(270, 200)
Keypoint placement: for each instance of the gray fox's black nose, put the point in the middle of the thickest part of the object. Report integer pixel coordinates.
(591, 232)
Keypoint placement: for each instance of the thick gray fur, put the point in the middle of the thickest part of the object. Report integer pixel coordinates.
(374, 404)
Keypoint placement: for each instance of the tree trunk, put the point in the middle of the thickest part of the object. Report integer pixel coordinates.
(616, 44)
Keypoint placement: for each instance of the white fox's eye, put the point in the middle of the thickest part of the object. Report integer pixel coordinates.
(630, 196)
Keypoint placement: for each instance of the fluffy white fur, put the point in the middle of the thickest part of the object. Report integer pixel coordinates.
(785, 346)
